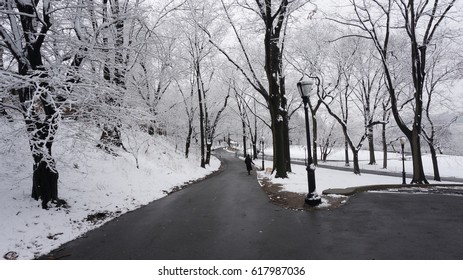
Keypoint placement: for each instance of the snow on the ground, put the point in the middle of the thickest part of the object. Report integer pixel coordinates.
(328, 179)
(449, 165)
(94, 183)
(98, 185)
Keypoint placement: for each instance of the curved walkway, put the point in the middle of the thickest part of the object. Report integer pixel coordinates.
(228, 216)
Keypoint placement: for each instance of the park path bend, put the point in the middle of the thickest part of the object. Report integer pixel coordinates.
(228, 216)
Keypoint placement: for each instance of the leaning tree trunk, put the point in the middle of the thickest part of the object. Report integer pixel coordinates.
(188, 139)
(435, 164)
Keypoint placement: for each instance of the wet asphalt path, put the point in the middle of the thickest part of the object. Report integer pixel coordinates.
(228, 216)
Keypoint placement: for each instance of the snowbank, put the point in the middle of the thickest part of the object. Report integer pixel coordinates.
(96, 185)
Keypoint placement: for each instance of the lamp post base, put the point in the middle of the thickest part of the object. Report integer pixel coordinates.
(313, 199)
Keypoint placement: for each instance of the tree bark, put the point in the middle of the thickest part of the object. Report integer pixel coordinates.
(356, 161)
(435, 164)
(287, 144)
(371, 146)
(273, 69)
(418, 170)
(420, 34)
(188, 139)
(243, 126)
(314, 139)
(346, 151)
(41, 116)
(279, 159)
(111, 134)
(201, 113)
(383, 137)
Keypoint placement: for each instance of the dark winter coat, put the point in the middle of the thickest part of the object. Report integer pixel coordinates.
(248, 162)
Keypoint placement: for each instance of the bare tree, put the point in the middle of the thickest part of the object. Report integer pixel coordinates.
(368, 92)
(248, 113)
(386, 115)
(274, 16)
(380, 21)
(312, 59)
(24, 38)
(212, 128)
(437, 77)
(190, 110)
(340, 103)
(327, 141)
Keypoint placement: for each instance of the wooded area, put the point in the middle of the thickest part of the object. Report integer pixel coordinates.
(208, 71)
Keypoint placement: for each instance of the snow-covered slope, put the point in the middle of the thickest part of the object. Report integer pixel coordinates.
(96, 185)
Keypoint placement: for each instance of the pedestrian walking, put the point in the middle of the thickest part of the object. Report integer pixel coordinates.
(249, 163)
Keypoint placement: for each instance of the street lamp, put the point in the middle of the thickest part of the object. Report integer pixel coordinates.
(312, 199)
(262, 148)
(402, 144)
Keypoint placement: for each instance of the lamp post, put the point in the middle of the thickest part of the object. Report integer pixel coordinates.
(402, 144)
(312, 199)
(262, 148)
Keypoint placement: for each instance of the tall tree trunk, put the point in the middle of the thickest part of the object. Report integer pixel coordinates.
(254, 149)
(418, 170)
(40, 113)
(255, 133)
(188, 139)
(383, 139)
(119, 69)
(287, 144)
(356, 161)
(207, 131)
(1, 58)
(243, 126)
(285, 118)
(279, 159)
(2, 108)
(111, 134)
(346, 151)
(201, 113)
(314, 139)
(276, 99)
(371, 146)
(435, 164)
(208, 152)
(41, 135)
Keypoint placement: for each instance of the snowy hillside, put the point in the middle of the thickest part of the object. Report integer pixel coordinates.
(96, 185)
